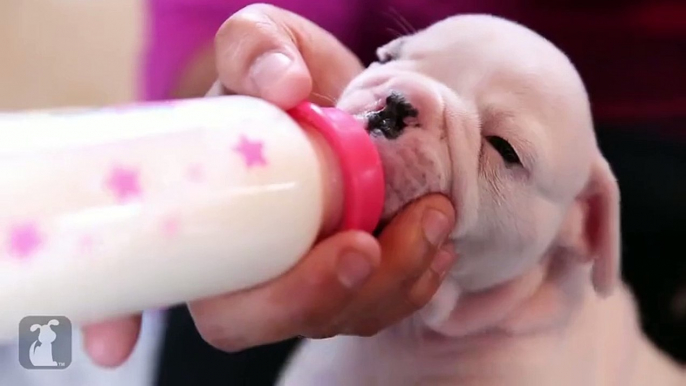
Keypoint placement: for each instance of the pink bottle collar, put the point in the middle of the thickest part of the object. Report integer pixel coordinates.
(361, 168)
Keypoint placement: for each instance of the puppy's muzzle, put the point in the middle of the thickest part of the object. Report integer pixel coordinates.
(391, 121)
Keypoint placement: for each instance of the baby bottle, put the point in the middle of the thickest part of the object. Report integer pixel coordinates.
(113, 211)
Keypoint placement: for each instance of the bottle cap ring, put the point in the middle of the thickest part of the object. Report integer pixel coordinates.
(360, 163)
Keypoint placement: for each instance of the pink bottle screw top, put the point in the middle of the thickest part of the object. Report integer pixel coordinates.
(360, 163)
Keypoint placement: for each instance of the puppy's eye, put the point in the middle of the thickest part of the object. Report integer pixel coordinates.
(505, 149)
(385, 57)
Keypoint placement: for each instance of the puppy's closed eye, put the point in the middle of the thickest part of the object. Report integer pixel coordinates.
(390, 52)
(385, 57)
(505, 149)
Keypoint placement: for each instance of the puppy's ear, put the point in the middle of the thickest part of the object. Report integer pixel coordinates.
(591, 232)
(602, 226)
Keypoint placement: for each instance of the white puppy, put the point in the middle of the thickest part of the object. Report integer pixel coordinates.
(497, 118)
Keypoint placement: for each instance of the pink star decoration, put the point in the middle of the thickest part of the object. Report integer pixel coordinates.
(24, 240)
(195, 173)
(251, 151)
(87, 243)
(124, 183)
(170, 226)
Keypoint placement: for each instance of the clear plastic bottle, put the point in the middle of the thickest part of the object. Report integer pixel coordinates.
(113, 211)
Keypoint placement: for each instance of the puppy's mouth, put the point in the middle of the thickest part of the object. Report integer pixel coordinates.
(390, 121)
(403, 115)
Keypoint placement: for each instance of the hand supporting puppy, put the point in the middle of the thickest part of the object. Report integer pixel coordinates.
(350, 283)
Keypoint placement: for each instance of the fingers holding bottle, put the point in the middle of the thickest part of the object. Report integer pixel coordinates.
(271, 53)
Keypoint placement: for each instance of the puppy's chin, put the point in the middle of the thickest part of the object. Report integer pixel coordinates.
(416, 159)
(413, 167)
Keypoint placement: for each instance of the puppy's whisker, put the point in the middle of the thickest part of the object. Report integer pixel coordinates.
(396, 34)
(339, 92)
(327, 98)
(394, 20)
(402, 22)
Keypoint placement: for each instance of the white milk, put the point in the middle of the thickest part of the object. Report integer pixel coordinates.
(113, 211)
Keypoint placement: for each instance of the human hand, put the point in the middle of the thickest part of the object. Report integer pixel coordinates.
(349, 283)
(270, 53)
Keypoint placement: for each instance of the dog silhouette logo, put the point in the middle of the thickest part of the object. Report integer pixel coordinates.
(45, 342)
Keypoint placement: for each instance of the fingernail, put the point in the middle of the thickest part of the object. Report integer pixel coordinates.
(436, 227)
(268, 69)
(353, 269)
(443, 262)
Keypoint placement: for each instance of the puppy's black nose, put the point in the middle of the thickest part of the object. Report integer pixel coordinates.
(390, 122)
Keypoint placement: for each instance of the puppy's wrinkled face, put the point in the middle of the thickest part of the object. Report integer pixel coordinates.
(495, 117)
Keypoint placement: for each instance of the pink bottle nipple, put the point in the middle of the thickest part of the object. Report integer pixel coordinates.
(361, 168)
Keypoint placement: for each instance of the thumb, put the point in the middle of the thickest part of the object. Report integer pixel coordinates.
(273, 54)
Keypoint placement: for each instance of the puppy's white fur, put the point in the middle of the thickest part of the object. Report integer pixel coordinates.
(530, 299)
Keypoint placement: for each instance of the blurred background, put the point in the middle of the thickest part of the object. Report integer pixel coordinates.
(68, 52)
(631, 53)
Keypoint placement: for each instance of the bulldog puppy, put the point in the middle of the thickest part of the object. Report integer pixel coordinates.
(495, 117)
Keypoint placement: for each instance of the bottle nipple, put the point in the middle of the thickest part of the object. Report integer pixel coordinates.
(359, 160)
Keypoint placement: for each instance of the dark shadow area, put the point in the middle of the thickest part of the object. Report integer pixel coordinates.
(186, 359)
(651, 171)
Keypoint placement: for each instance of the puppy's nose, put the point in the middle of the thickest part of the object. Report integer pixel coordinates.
(390, 121)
